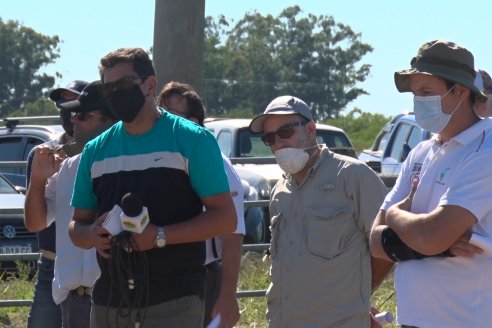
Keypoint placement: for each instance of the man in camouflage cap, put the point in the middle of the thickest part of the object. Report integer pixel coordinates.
(442, 195)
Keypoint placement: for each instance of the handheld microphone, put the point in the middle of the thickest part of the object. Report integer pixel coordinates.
(135, 216)
(112, 223)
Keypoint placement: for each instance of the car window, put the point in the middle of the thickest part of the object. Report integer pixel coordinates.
(251, 145)
(415, 137)
(382, 142)
(10, 149)
(30, 144)
(224, 139)
(5, 187)
(333, 139)
(398, 141)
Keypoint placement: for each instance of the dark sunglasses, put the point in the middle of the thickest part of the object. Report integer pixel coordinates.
(285, 131)
(124, 84)
(81, 116)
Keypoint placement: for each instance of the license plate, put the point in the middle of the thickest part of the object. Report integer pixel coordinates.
(15, 249)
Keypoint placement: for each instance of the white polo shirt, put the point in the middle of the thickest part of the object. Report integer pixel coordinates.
(214, 245)
(74, 266)
(448, 292)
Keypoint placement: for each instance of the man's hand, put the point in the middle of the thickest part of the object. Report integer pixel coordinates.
(406, 204)
(145, 240)
(45, 163)
(101, 237)
(228, 308)
(463, 248)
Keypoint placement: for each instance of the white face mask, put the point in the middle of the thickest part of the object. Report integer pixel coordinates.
(429, 114)
(292, 160)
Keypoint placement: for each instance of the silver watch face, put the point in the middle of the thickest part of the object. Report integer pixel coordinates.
(160, 242)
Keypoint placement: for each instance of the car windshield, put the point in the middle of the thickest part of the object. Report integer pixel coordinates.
(251, 145)
(5, 187)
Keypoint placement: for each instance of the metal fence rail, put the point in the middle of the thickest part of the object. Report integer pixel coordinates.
(35, 256)
(389, 181)
(13, 164)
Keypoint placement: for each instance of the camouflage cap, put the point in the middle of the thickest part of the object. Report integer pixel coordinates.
(443, 59)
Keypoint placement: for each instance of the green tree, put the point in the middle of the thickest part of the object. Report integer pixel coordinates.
(362, 128)
(24, 52)
(41, 107)
(262, 57)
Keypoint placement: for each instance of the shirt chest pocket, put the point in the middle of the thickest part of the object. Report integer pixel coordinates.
(328, 229)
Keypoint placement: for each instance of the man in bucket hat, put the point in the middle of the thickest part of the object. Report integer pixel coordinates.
(321, 215)
(442, 195)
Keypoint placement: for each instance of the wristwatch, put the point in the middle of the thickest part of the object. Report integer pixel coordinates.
(160, 240)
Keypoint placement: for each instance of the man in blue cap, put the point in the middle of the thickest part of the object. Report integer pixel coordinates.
(48, 200)
(44, 312)
(321, 212)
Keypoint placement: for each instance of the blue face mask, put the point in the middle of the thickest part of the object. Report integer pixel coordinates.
(429, 114)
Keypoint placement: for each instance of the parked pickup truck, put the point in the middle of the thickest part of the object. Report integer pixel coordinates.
(392, 145)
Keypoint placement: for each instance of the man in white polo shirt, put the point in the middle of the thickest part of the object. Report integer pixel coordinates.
(48, 200)
(223, 253)
(441, 195)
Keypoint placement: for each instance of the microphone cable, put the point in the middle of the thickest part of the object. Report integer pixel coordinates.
(128, 273)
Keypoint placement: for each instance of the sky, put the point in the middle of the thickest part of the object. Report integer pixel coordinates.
(90, 29)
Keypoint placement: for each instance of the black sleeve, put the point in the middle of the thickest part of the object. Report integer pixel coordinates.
(398, 251)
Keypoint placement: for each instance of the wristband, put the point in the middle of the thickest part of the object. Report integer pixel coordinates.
(398, 251)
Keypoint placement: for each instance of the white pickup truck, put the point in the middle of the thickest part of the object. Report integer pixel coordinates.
(392, 145)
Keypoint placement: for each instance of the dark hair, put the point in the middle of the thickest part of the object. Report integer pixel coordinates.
(194, 103)
(172, 89)
(450, 84)
(136, 56)
(195, 106)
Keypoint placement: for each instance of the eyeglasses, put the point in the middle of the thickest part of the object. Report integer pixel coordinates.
(124, 84)
(285, 131)
(81, 116)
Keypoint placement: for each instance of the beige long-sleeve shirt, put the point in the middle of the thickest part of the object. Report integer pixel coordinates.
(321, 268)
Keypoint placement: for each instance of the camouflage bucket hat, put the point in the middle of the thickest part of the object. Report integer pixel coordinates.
(443, 59)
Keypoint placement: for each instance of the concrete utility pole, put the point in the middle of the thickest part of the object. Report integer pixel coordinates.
(178, 41)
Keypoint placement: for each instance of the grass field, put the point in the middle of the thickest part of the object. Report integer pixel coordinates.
(253, 276)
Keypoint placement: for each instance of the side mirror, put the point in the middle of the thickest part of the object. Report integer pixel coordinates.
(21, 189)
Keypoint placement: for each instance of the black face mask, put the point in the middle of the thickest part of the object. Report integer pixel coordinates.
(126, 104)
(66, 123)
